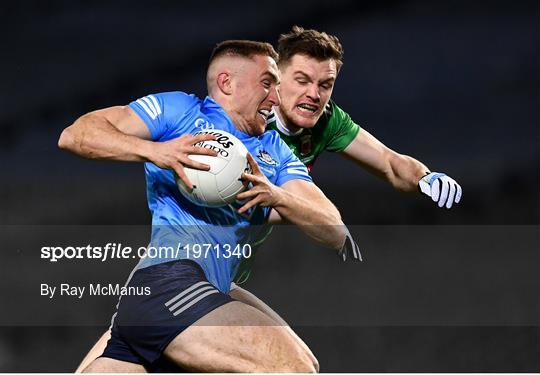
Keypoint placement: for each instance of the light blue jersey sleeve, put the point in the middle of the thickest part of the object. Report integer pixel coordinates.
(164, 112)
(291, 168)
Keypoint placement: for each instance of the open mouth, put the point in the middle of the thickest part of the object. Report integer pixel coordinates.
(307, 108)
(264, 113)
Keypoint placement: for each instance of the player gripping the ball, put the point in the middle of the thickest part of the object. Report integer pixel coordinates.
(192, 319)
(310, 123)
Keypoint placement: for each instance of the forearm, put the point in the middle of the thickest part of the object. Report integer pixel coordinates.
(401, 171)
(404, 172)
(297, 201)
(318, 219)
(92, 136)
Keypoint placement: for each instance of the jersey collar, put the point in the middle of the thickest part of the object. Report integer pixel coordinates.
(281, 127)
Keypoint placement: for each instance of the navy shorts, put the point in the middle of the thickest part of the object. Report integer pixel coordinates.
(164, 300)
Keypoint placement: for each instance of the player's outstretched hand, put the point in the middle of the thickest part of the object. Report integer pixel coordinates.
(350, 249)
(174, 154)
(441, 188)
(262, 192)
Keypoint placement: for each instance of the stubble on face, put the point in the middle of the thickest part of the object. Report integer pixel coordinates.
(306, 88)
(255, 94)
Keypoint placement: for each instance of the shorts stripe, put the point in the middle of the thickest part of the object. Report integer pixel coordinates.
(180, 295)
(145, 324)
(195, 301)
(190, 296)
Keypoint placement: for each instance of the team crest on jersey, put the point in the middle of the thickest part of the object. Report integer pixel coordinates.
(266, 158)
(203, 124)
(305, 144)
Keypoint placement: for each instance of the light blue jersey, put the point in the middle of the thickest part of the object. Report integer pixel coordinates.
(214, 237)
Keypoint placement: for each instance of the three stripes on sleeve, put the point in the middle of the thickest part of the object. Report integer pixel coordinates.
(150, 105)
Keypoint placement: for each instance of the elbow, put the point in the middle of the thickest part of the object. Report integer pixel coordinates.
(66, 140)
(71, 138)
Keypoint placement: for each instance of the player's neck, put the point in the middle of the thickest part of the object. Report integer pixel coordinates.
(285, 126)
(239, 122)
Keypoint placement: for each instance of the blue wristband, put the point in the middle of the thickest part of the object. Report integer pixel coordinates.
(434, 177)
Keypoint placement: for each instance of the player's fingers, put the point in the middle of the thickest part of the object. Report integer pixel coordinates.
(186, 161)
(195, 164)
(451, 195)
(201, 151)
(253, 164)
(356, 252)
(444, 192)
(200, 138)
(351, 247)
(248, 205)
(247, 194)
(182, 176)
(458, 193)
(250, 177)
(435, 190)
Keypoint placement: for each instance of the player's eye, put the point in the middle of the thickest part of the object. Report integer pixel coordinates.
(266, 83)
(326, 86)
(302, 81)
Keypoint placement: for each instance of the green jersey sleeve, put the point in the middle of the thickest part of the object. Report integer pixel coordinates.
(342, 129)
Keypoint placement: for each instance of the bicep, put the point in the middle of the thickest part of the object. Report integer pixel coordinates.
(125, 120)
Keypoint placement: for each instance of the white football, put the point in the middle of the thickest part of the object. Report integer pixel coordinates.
(220, 185)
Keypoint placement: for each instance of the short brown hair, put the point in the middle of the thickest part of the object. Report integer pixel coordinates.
(312, 43)
(244, 48)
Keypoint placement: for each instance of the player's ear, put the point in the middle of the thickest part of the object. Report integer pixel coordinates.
(224, 83)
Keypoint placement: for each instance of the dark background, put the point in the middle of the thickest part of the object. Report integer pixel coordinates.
(455, 84)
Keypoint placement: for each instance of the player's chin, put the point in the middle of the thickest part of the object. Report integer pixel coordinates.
(261, 122)
(305, 119)
(306, 122)
(259, 126)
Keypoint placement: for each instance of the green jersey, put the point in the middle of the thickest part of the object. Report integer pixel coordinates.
(334, 131)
